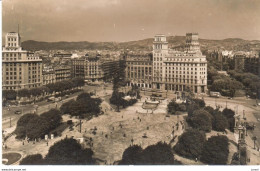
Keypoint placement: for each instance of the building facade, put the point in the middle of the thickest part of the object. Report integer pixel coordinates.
(20, 69)
(170, 69)
(48, 77)
(139, 70)
(94, 68)
(62, 73)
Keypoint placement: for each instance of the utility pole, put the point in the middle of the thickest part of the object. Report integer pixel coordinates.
(226, 103)
(80, 125)
(10, 122)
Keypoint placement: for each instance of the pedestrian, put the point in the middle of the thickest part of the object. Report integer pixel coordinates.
(23, 142)
(47, 143)
(140, 120)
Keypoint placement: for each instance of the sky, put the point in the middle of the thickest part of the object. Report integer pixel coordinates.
(127, 20)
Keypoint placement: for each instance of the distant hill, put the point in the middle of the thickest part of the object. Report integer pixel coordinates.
(145, 44)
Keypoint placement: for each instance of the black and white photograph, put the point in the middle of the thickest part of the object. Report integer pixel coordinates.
(130, 83)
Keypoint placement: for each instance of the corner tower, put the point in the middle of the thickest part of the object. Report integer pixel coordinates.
(160, 51)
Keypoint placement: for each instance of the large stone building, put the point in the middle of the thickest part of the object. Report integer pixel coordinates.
(94, 68)
(170, 69)
(139, 70)
(20, 69)
(252, 64)
(62, 73)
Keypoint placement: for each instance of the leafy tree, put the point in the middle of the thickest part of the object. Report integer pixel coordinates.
(37, 128)
(173, 107)
(190, 144)
(69, 152)
(220, 122)
(158, 154)
(229, 114)
(200, 102)
(35, 92)
(215, 150)
(66, 107)
(21, 125)
(191, 108)
(84, 96)
(78, 82)
(132, 155)
(24, 93)
(209, 109)
(35, 159)
(117, 99)
(54, 118)
(201, 120)
(9, 94)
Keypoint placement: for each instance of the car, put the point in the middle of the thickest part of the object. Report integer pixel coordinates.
(66, 96)
(18, 112)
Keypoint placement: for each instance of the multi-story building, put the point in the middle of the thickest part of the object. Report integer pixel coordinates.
(139, 70)
(20, 69)
(239, 58)
(172, 70)
(48, 77)
(62, 73)
(252, 64)
(94, 68)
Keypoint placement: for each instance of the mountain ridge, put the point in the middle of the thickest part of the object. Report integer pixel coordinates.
(144, 44)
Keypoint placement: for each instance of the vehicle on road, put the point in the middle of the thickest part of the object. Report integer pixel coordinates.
(214, 94)
(18, 112)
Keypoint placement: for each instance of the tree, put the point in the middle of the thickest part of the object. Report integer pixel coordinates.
(220, 122)
(53, 117)
(201, 120)
(84, 96)
(117, 99)
(229, 114)
(66, 107)
(209, 109)
(173, 107)
(158, 154)
(69, 152)
(215, 150)
(191, 108)
(37, 128)
(35, 159)
(200, 102)
(132, 155)
(190, 143)
(78, 82)
(24, 93)
(21, 125)
(9, 94)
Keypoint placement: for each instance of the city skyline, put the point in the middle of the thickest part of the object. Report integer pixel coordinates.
(122, 21)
